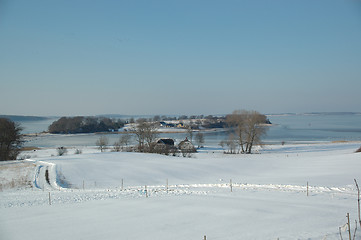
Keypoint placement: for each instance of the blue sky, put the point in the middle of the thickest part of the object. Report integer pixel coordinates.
(75, 57)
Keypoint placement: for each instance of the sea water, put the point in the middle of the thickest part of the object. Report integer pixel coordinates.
(285, 128)
(315, 127)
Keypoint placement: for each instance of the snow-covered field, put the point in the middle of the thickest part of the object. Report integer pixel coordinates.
(147, 196)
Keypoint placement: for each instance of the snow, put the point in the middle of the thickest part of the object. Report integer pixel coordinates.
(267, 199)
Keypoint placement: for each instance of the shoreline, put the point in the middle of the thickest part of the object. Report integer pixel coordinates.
(209, 149)
(179, 130)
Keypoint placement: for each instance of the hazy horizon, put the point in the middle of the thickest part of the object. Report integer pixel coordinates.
(67, 58)
(177, 115)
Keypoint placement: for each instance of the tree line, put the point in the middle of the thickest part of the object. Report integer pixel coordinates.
(66, 125)
(246, 130)
(146, 137)
(195, 122)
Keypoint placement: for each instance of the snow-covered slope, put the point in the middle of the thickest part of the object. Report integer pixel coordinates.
(267, 198)
(319, 164)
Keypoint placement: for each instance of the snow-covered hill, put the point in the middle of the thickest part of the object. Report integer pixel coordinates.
(149, 196)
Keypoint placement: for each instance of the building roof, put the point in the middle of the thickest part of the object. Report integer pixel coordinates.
(166, 141)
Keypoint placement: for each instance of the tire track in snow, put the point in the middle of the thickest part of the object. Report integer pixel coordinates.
(45, 176)
(36, 177)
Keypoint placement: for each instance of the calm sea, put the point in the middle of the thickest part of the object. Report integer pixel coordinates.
(292, 128)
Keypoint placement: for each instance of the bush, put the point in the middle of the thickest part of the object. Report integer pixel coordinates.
(62, 151)
(187, 152)
(10, 139)
(23, 157)
(78, 151)
(358, 150)
(102, 143)
(116, 147)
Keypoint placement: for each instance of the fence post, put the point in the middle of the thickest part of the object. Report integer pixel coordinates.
(83, 184)
(358, 202)
(49, 199)
(339, 229)
(122, 184)
(230, 184)
(146, 191)
(307, 189)
(167, 185)
(348, 224)
(205, 237)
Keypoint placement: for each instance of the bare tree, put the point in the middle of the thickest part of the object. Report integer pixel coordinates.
(190, 133)
(146, 134)
(141, 120)
(230, 143)
(151, 134)
(10, 139)
(139, 132)
(200, 139)
(248, 127)
(102, 143)
(123, 142)
(116, 147)
(156, 118)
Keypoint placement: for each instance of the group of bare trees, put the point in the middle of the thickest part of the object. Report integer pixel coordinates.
(199, 137)
(146, 134)
(123, 142)
(247, 130)
(120, 145)
(102, 143)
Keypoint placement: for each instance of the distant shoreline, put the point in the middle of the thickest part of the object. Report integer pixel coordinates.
(120, 132)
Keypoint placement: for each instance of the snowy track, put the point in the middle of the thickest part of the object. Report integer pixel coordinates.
(45, 176)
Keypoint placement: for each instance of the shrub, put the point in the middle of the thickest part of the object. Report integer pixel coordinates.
(102, 143)
(23, 157)
(62, 151)
(10, 139)
(116, 147)
(358, 150)
(78, 151)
